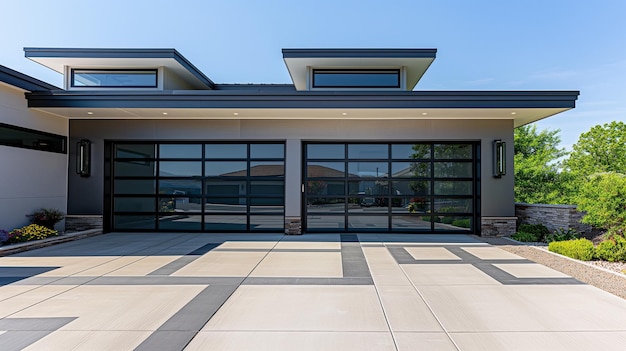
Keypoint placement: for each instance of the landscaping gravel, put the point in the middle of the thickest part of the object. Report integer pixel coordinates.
(607, 276)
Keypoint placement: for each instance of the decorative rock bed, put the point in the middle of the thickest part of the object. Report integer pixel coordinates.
(607, 276)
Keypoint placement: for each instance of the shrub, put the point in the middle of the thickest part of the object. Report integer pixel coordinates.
(603, 197)
(462, 223)
(539, 230)
(525, 237)
(447, 220)
(612, 250)
(31, 232)
(562, 235)
(417, 205)
(580, 249)
(46, 217)
(4, 236)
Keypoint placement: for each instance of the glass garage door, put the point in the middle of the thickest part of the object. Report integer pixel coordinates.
(391, 187)
(196, 186)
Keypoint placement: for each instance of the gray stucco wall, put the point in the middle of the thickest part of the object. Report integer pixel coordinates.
(86, 194)
(30, 179)
(171, 81)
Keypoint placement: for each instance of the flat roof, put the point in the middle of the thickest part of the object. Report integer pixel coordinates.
(23, 81)
(283, 101)
(416, 61)
(57, 58)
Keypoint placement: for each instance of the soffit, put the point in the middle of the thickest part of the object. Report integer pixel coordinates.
(519, 116)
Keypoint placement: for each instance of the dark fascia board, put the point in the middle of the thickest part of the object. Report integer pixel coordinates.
(119, 53)
(257, 88)
(23, 81)
(308, 100)
(359, 53)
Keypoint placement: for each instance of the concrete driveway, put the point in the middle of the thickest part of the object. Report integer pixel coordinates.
(148, 291)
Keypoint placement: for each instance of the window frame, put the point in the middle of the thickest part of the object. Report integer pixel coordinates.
(397, 70)
(386, 200)
(35, 133)
(73, 72)
(251, 213)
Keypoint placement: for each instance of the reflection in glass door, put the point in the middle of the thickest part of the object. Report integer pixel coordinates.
(214, 187)
(397, 187)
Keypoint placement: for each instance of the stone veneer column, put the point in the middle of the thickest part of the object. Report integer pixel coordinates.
(293, 186)
(293, 226)
(76, 223)
(498, 226)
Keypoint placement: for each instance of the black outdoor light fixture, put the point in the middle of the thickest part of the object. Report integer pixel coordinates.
(83, 158)
(499, 158)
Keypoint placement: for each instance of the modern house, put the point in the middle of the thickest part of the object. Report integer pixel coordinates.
(145, 140)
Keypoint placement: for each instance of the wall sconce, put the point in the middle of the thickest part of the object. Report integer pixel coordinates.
(499, 158)
(83, 158)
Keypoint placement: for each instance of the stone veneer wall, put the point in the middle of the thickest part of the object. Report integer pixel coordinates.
(77, 223)
(497, 226)
(552, 216)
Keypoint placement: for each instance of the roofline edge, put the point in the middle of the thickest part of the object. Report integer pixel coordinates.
(23, 81)
(358, 52)
(35, 52)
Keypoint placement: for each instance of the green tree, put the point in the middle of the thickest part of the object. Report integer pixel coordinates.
(538, 174)
(601, 149)
(598, 164)
(603, 197)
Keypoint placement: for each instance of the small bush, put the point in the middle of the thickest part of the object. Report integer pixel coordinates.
(562, 235)
(462, 223)
(580, 249)
(4, 236)
(525, 237)
(539, 230)
(31, 232)
(612, 250)
(447, 220)
(46, 217)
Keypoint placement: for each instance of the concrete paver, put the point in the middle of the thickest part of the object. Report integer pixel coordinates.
(146, 291)
(300, 264)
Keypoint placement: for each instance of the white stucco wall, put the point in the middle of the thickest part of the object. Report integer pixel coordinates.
(30, 179)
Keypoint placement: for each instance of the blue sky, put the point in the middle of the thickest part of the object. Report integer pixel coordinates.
(482, 44)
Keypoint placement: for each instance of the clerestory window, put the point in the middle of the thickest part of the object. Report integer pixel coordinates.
(114, 78)
(356, 78)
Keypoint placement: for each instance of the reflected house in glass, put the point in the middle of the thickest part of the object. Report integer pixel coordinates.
(351, 145)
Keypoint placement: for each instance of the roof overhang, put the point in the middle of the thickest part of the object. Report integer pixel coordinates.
(59, 58)
(415, 61)
(22, 81)
(522, 107)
